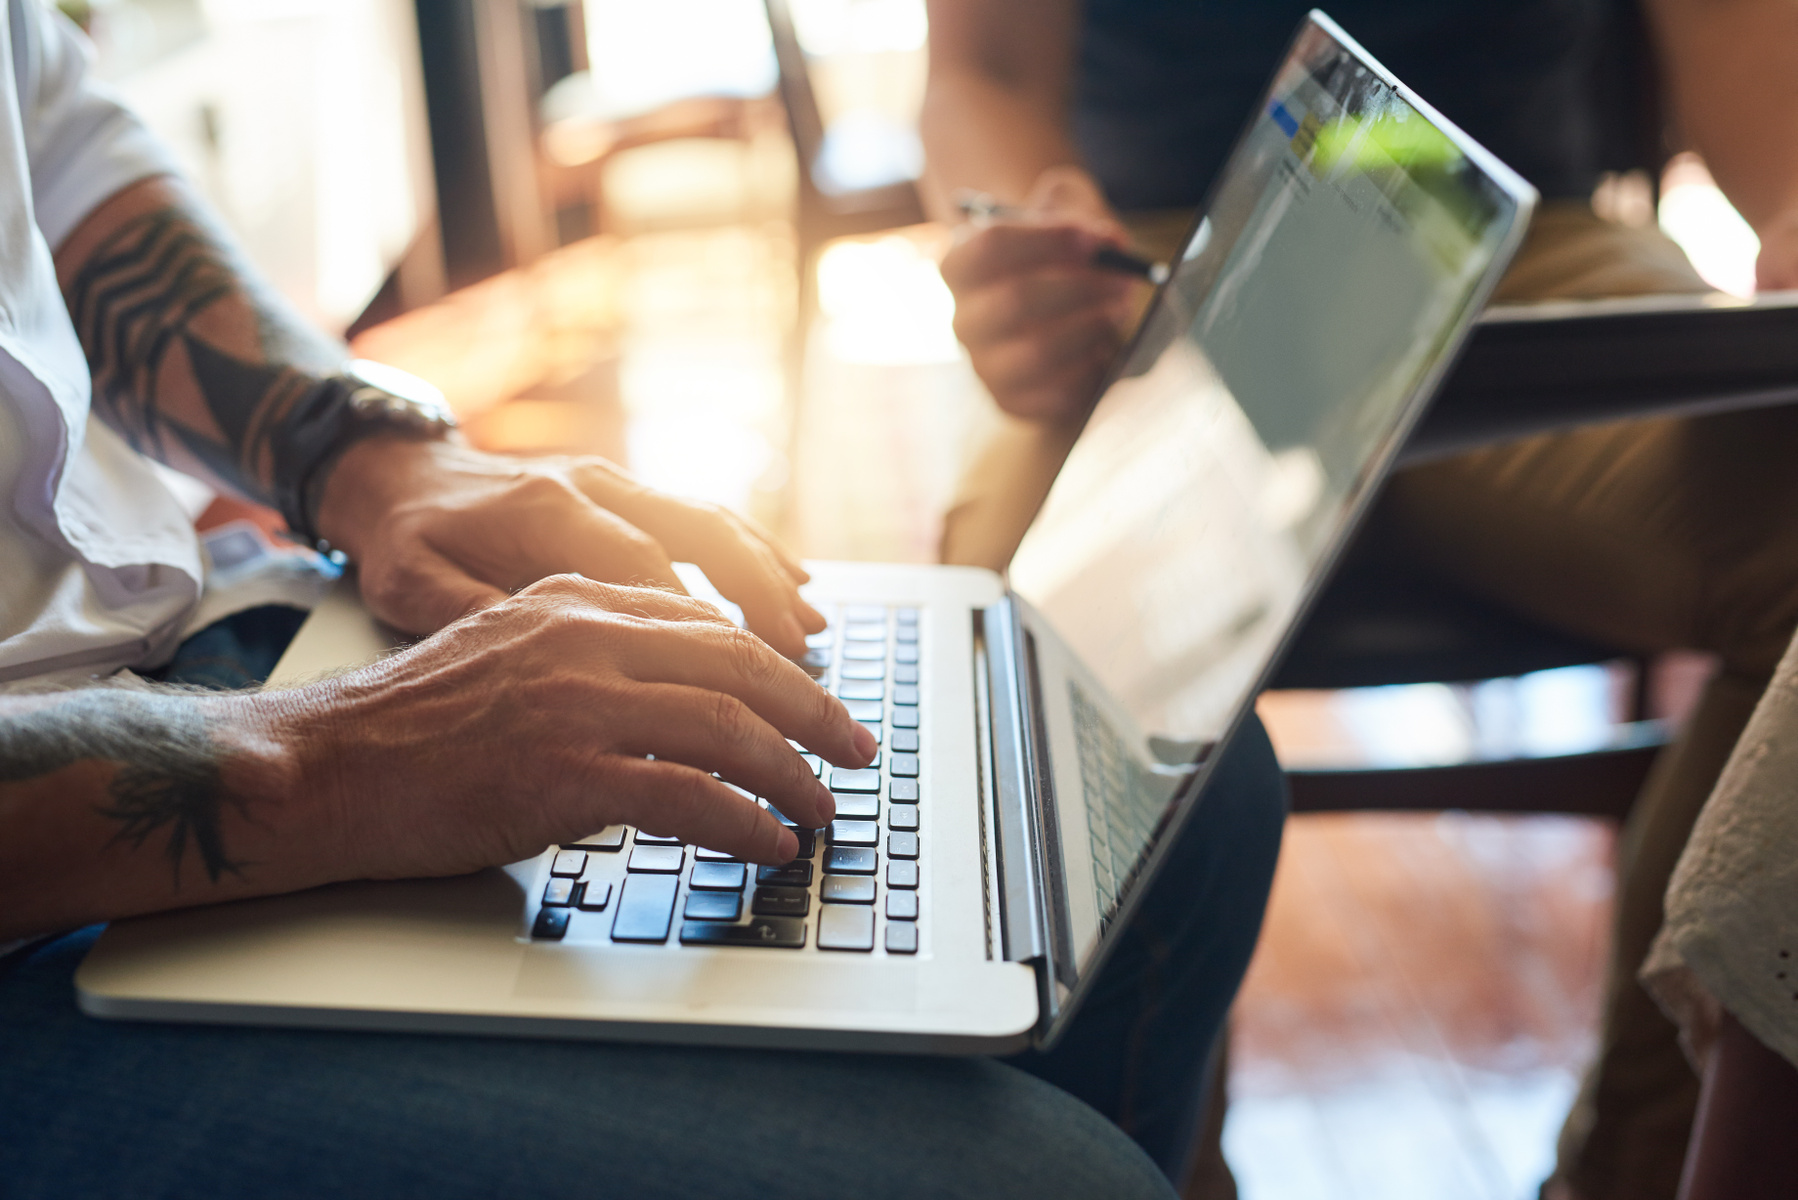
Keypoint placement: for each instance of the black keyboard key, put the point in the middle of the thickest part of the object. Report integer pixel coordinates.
(559, 893)
(713, 906)
(903, 874)
(903, 791)
(861, 689)
(609, 838)
(854, 833)
(905, 766)
(854, 781)
(657, 860)
(847, 889)
(857, 806)
(863, 710)
(718, 877)
(905, 741)
(903, 817)
(780, 902)
(808, 844)
(793, 875)
(569, 864)
(645, 908)
(851, 860)
(782, 817)
(782, 933)
(846, 927)
(905, 693)
(655, 839)
(905, 654)
(905, 716)
(593, 896)
(902, 906)
(902, 845)
(863, 670)
(902, 937)
(905, 673)
(551, 924)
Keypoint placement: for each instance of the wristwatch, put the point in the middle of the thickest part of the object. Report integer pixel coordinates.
(361, 400)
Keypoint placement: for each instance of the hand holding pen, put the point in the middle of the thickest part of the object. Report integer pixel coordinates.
(980, 209)
(1041, 325)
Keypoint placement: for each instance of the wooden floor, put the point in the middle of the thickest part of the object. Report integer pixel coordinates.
(1420, 1005)
(1426, 988)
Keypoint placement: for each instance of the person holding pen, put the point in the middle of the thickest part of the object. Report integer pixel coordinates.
(1096, 128)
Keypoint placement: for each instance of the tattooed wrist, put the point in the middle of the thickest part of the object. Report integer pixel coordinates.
(193, 361)
(167, 789)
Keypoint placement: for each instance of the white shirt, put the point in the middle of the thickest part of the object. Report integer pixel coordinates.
(99, 565)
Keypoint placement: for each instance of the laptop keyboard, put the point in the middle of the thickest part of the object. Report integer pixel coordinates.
(1125, 802)
(853, 887)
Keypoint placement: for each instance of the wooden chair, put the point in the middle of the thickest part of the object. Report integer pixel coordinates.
(827, 207)
(1529, 370)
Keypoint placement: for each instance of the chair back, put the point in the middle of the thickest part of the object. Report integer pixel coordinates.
(803, 117)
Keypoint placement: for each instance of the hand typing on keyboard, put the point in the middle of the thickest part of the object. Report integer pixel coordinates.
(570, 707)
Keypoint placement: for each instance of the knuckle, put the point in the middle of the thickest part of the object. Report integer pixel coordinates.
(542, 489)
(752, 659)
(732, 722)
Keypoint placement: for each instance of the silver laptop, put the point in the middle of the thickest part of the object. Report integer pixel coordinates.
(1044, 736)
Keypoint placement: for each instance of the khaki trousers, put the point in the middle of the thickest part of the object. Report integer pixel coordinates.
(1650, 535)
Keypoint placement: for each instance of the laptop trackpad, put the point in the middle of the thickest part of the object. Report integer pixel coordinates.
(661, 977)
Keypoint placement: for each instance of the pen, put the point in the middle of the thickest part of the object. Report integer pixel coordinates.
(980, 208)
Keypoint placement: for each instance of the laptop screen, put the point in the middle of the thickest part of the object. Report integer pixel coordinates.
(1348, 243)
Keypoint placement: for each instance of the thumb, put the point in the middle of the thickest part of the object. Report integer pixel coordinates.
(1068, 193)
(423, 591)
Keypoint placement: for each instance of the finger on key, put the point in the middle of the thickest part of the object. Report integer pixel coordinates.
(716, 732)
(740, 664)
(742, 565)
(671, 800)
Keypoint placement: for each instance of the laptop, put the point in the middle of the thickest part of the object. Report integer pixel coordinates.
(1044, 735)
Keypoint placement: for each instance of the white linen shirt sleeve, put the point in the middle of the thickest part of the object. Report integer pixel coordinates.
(81, 142)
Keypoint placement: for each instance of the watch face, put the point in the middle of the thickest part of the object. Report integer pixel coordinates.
(424, 400)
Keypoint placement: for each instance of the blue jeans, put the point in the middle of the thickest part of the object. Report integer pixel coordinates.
(93, 1108)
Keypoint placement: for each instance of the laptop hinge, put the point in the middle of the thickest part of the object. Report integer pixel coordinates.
(1022, 805)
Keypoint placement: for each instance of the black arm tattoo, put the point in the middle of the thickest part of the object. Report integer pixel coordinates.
(168, 776)
(193, 362)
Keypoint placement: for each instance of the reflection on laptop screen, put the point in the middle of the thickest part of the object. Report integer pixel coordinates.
(1346, 244)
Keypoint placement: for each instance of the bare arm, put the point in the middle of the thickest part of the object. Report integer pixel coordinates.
(199, 365)
(1732, 68)
(1040, 322)
(563, 709)
(996, 104)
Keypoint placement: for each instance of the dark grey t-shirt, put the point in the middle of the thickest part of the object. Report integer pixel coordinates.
(1165, 85)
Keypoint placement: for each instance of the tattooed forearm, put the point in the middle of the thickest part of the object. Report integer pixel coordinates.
(168, 778)
(193, 362)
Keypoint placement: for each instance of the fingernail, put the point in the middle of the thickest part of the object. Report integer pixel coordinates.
(786, 846)
(827, 805)
(865, 745)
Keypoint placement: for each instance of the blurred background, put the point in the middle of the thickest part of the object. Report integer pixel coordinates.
(685, 235)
